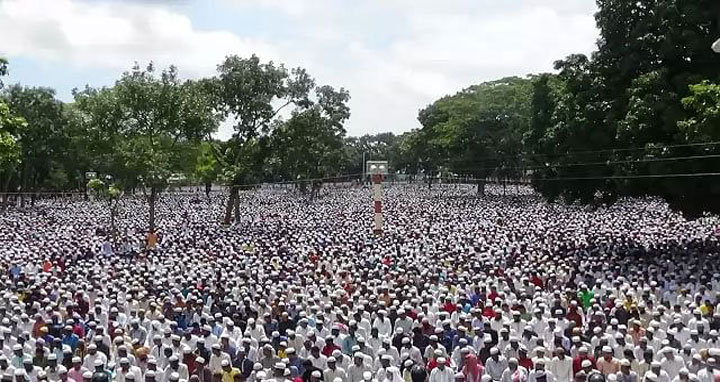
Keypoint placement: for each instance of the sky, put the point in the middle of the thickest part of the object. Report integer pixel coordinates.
(394, 56)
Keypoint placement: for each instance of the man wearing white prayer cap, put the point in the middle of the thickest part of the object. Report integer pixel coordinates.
(333, 372)
(357, 368)
(626, 374)
(707, 374)
(539, 374)
(442, 373)
(672, 363)
(660, 374)
(513, 372)
(496, 364)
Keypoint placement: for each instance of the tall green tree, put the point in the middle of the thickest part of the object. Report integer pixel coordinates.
(478, 132)
(702, 125)
(10, 150)
(253, 94)
(614, 114)
(567, 119)
(147, 117)
(309, 145)
(43, 139)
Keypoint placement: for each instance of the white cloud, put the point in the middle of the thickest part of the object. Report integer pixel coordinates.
(394, 56)
(114, 35)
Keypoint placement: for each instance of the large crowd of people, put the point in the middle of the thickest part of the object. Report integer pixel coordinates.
(457, 288)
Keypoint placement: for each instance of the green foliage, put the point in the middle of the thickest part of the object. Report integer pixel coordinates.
(96, 185)
(612, 114)
(253, 94)
(248, 89)
(477, 132)
(207, 168)
(382, 146)
(10, 149)
(109, 191)
(143, 125)
(652, 112)
(3, 69)
(139, 126)
(704, 105)
(410, 153)
(43, 138)
(114, 191)
(310, 144)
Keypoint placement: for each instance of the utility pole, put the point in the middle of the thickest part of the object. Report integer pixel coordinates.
(378, 170)
(363, 167)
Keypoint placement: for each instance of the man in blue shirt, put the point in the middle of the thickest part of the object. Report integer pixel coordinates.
(349, 341)
(14, 271)
(70, 338)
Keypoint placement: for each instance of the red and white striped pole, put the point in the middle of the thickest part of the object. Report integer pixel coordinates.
(377, 199)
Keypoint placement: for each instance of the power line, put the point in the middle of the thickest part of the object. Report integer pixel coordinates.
(645, 160)
(616, 150)
(344, 176)
(650, 176)
(638, 148)
(695, 157)
(647, 176)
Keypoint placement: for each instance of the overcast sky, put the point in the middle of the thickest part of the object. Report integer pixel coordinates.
(394, 56)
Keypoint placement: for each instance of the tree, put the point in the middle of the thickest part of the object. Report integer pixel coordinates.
(616, 113)
(407, 153)
(10, 149)
(10, 152)
(43, 139)
(207, 168)
(381, 146)
(568, 117)
(253, 94)
(310, 144)
(704, 106)
(702, 125)
(146, 118)
(478, 132)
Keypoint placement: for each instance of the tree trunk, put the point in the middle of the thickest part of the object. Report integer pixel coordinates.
(229, 207)
(208, 187)
(236, 206)
(6, 192)
(315, 190)
(153, 196)
(481, 187)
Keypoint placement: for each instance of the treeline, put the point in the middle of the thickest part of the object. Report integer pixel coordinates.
(151, 129)
(640, 116)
